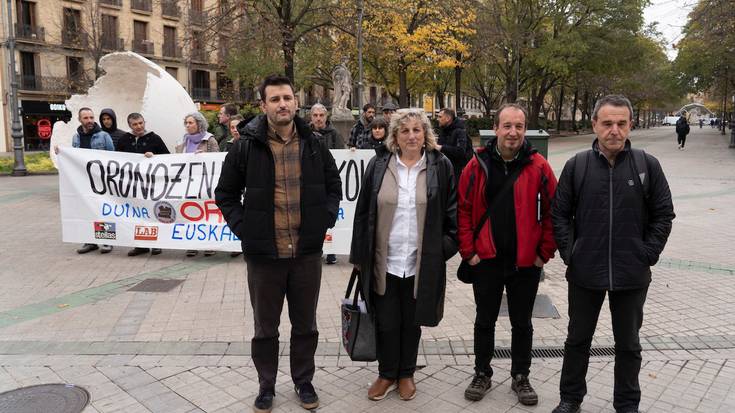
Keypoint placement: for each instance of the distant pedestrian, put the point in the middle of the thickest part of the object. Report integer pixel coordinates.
(108, 123)
(90, 136)
(222, 129)
(197, 140)
(701, 123)
(139, 140)
(388, 110)
(360, 128)
(375, 139)
(712, 123)
(682, 130)
(234, 134)
(612, 216)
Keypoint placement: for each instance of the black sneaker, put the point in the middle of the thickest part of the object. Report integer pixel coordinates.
(526, 395)
(567, 407)
(138, 251)
(264, 401)
(307, 396)
(331, 259)
(480, 385)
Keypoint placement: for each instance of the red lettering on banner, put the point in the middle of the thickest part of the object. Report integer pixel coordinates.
(205, 212)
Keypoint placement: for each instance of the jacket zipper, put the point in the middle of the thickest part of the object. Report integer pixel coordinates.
(609, 241)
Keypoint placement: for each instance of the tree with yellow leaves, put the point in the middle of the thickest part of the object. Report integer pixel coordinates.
(406, 40)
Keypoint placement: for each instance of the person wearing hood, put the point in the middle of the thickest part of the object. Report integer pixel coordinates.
(360, 128)
(140, 140)
(453, 140)
(90, 136)
(505, 236)
(197, 140)
(108, 122)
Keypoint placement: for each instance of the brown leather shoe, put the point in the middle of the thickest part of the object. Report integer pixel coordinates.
(380, 388)
(406, 388)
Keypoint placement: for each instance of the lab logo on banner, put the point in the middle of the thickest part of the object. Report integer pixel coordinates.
(146, 233)
(164, 212)
(104, 230)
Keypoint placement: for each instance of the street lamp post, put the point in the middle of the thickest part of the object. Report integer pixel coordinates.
(19, 167)
(360, 10)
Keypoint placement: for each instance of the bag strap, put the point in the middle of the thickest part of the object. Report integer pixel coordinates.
(640, 168)
(353, 277)
(580, 172)
(501, 193)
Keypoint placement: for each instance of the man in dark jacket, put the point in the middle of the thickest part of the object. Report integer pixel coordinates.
(292, 197)
(682, 130)
(139, 140)
(611, 222)
(222, 129)
(108, 122)
(505, 235)
(361, 127)
(453, 140)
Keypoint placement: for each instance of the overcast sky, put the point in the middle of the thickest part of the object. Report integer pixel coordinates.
(671, 16)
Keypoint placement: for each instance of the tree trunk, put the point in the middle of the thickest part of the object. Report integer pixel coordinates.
(574, 110)
(403, 87)
(289, 50)
(559, 110)
(439, 97)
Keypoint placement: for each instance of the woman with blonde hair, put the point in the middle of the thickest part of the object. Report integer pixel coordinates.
(404, 230)
(197, 140)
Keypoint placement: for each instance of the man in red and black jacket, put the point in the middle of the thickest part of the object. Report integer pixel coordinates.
(505, 191)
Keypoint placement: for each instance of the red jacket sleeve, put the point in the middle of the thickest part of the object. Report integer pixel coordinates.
(547, 246)
(465, 201)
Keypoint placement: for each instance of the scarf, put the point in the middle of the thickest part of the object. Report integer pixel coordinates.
(192, 141)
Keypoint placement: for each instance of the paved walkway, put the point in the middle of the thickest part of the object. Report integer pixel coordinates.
(70, 318)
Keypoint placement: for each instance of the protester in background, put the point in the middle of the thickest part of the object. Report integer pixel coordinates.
(197, 140)
(90, 136)
(222, 129)
(234, 135)
(148, 143)
(108, 122)
(292, 197)
(388, 110)
(682, 130)
(505, 235)
(330, 137)
(378, 129)
(360, 128)
(404, 231)
(453, 140)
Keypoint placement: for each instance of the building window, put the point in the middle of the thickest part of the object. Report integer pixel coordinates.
(110, 40)
(141, 44)
(200, 85)
(173, 71)
(28, 78)
(197, 46)
(170, 48)
(72, 33)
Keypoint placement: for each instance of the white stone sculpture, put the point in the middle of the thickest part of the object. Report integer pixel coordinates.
(342, 84)
(131, 83)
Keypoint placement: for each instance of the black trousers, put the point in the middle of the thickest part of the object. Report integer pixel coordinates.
(681, 140)
(398, 334)
(269, 281)
(626, 308)
(521, 285)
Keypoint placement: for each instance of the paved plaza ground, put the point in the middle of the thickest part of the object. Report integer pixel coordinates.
(69, 318)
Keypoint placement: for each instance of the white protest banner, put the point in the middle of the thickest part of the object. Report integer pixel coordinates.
(167, 201)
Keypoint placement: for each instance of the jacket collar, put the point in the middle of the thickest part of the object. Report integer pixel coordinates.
(598, 153)
(258, 129)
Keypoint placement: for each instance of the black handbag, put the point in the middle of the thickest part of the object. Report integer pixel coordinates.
(465, 270)
(358, 327)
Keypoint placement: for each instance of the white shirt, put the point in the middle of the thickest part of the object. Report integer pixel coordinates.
(402, 240)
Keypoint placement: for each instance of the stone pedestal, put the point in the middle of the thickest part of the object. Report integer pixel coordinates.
(343, 127)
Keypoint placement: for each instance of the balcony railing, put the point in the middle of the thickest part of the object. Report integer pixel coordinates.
(227, 94)
(171, 50)
(199, 55)
(30, 32)
(73, 39)
(143, 46)
(113, 43)
(201, 93)
(52, 84)
(169, 8)
(141, 5)
(198, 17)
(116, 3)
